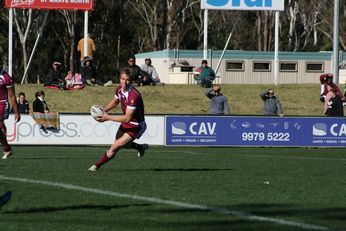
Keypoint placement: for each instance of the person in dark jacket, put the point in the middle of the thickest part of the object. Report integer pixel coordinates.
(272, 105)
(137, 74)
(333, 104)
(218, 102)
(23, 104)
(89, 73)
(55, 76)
(39, 104)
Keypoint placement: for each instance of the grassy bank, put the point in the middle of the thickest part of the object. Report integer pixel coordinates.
(297, 99)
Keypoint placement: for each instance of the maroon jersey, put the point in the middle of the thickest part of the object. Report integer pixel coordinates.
(131, 99)
(5, 83)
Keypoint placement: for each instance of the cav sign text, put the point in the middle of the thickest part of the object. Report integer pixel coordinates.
(276, 5)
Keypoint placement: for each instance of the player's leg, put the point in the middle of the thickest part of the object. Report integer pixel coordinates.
(136, 133)
(3, 138)
(112, 151)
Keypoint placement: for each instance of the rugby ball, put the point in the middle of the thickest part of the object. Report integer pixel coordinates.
(96, 110)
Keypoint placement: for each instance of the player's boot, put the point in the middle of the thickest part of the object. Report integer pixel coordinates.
(141, 151)
(5, 198)
(93, 168)
(7, 155)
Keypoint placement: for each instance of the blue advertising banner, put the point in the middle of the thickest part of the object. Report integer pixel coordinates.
(255, 131)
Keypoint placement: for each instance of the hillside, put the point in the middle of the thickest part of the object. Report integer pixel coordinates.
(297, 99)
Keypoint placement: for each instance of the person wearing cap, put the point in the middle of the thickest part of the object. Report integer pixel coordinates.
(7, 93)
(89, 73)
(205, 75)
(55, 76)
(150, 69)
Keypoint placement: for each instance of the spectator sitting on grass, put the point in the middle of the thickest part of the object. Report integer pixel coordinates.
(55, 80)
(89, 73)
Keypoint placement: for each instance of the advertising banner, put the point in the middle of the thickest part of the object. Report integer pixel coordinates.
(276, 5)
(255, 131)
(78, 130)
(51, 4)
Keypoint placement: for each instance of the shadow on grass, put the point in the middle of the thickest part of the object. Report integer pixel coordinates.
(330, 218)
(190, 169)
(55, 158)
(74, 207)
(179, 170)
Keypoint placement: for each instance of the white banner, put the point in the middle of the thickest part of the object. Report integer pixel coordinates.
(276, 5)
(78, 130)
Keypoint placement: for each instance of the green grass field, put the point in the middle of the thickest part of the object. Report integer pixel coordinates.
(175, 189)
(296, 99)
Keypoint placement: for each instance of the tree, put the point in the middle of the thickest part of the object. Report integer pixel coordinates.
(23, 22)
(70, 17)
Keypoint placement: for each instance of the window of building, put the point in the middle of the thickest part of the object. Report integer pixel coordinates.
(314, 67)
(288, 66)
(234, 65)
(261, 66)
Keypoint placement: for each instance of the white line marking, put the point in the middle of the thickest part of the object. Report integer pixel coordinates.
(239, 214)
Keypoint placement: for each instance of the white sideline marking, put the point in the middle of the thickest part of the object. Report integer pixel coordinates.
(239, 214)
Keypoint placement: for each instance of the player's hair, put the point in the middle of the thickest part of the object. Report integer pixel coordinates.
(21, 94)
(127, 71)
(38, 93)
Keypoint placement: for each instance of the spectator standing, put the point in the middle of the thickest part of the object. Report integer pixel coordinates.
(218, 102)
(272, 105)
(91, 48)
(137, 74)
(23, 104)
(89, 73)
(7, 93)
(39, 104)
(132, 121)
(150, 69)
(206, 75)
(333, 104)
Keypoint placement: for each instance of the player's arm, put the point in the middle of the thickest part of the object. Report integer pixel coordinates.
(111, 104)
(118, 118)
(12, 98)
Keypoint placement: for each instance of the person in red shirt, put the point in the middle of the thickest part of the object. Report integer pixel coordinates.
(327, 79)
(132, 121)
(7, 92)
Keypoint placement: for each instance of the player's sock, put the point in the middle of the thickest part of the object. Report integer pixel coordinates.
(5, 146)
(104, 159)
